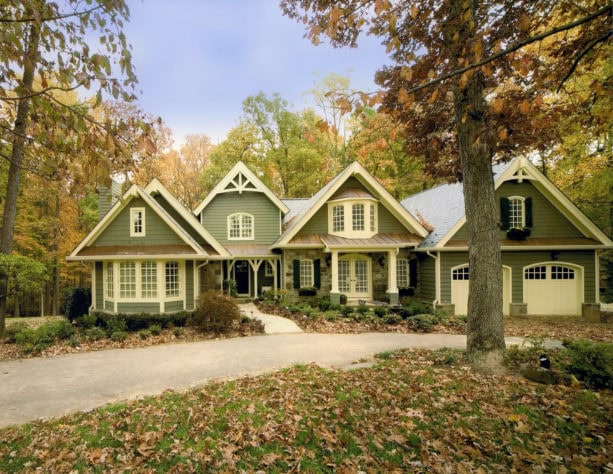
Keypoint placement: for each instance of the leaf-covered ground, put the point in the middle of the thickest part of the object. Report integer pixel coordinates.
(405, 414)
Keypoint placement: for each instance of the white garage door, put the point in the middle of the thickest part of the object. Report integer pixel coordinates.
(553, 289)
(459, 289)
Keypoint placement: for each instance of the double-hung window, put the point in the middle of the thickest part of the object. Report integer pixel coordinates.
(517, 212)
(137, 222)
(127, 280)
(172, 279)
(402, 273)
(306, 273)
(149, 279)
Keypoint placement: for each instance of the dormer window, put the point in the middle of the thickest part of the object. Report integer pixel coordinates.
(240, 226)
(137, 222)
(353, 218)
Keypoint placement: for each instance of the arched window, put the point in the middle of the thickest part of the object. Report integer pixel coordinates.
(240, 226)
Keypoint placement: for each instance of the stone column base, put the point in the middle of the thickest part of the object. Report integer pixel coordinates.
(335, 298)
(591, 312)
(518, 309)
(448, 308)
(393, 298)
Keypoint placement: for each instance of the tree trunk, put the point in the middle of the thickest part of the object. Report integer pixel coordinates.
(485, 332)
(17, 155)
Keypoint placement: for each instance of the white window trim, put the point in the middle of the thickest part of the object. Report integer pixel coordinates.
(161, 282)
(268, 270)
(241, 215)
(133, 233)
(310, 284)
(348, 231)
(405, 262)
(522, 200)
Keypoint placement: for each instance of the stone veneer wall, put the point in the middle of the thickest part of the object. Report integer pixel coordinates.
(288, 270)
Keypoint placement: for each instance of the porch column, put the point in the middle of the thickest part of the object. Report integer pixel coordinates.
(274, 277)
(255, 266)
(392, 288)
(335, 296)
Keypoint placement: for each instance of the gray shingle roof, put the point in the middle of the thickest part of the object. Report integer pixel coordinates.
(442, 206)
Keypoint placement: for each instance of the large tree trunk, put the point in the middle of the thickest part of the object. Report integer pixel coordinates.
(17, 155)
(485, 332)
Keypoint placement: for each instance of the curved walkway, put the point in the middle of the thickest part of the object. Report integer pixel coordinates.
(272, 324)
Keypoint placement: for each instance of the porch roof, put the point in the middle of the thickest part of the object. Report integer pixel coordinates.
(136, 250)
(378, 241)
(534, 242)
(250, 250)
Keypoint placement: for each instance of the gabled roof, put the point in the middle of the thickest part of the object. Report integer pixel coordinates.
(304, 210)
(132, 193)
(240, 179)
(442, 207)
(155, 186)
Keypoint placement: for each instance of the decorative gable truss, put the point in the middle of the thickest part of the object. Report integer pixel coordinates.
(241, 179)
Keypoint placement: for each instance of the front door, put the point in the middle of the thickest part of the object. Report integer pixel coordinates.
(241, 276)
(354, 276)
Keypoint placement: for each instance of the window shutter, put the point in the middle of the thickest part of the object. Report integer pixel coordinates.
(413, 273)
(296, 265)
(505, 222)
(317, 273)
(528, 208)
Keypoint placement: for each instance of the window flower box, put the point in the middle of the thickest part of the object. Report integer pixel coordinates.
(307, 291)
(517, 233)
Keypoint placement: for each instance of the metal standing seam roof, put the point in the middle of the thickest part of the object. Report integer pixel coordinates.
(442, 206)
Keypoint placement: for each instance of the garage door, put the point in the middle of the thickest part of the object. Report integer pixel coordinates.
(459, 289)
(553, 289)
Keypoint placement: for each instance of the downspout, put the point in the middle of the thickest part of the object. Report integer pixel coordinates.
(437, 278)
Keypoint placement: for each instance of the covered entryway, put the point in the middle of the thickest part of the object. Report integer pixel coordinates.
(460, 277)
(553, 289)
(241, 277)
(354, 276)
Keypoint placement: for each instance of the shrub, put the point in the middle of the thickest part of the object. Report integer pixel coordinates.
(119, 336)
(335, 307)
(324, 304)
(11, 331)
(138, 321)
(422, 322)
(362, 309)
(62, 329)
(392, 318)
(307, 310)
(115, 324)
(95, 334)
(526, 353)
(178, 332)
(215, 312)
(591, 362)
(78, 301)
(144, 334)
(346, 311)
(331, 315)
(86, 321)
(27, 335)
(155, 329)
(380, 311)
(413, 308)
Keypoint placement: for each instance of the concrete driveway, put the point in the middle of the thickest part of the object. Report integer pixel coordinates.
(46, 388)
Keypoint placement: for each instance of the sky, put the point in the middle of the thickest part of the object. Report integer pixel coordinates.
(197, 60)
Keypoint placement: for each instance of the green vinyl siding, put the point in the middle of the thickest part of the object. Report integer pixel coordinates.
(98, 296)
(547, 221)
(173, 306)
(267, 216)
(517, 261)
(138, 307)
(189, 284)
(426, 277)
(109, 306)
(156, 230)
(318, 224)
(448, 261)
(179, 219)
(388, 224)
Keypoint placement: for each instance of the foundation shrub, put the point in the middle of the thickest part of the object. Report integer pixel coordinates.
(215, 312)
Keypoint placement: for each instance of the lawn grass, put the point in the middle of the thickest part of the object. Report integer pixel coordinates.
(407, 413)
